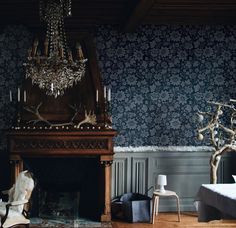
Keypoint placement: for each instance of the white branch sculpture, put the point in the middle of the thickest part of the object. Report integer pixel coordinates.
(89, 117)
(221, 133)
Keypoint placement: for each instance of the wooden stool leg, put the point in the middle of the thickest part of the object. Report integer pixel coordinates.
(157, 205)
(153, 209)
(178, 207)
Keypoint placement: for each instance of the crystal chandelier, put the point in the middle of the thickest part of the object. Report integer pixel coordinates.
(55, 70)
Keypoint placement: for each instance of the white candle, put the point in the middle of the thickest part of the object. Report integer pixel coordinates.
(24, 96)
(105, 92)
(10, 96)
(52, 87)
(109, 95)
(96, 95)
(18, 95)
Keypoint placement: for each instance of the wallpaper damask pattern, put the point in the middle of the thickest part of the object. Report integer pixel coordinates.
(14, 43)
(161, 75)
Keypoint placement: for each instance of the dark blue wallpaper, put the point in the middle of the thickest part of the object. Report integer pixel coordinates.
(14, 43)
(161, 75)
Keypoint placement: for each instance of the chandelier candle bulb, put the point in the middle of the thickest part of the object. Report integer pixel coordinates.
(70, 56)
(80, 54)
(24, 96)
(105, 92)
(18, 97)
(38, 59)
(109, 95)
(10, 96)
(97, 96)
(29, 52)
(46, 47)
(35, 45)
(61, 52)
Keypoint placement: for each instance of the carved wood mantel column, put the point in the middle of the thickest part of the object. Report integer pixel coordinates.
(107, 161)
(49, 143)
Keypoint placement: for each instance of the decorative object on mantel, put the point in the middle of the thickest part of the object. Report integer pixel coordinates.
(19, 101)
(89, 118)
(219, 126)
(55, 70)
(107, 107)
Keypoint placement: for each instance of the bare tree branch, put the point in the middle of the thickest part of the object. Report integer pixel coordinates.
(214, 126)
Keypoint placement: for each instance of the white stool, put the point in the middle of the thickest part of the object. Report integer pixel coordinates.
(155, 202)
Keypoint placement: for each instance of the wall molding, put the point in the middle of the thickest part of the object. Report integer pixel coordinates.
(141, 149)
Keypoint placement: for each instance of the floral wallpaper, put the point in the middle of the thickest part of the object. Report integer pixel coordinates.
(14, 43)
(161, 75)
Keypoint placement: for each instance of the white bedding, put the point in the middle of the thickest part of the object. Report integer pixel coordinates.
(221, 197)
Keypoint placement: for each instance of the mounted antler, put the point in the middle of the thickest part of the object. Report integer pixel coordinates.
(35, 111)
(89, 118)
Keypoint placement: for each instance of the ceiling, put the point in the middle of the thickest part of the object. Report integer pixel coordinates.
(127, 14)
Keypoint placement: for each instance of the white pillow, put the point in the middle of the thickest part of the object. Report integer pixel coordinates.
(234, 176)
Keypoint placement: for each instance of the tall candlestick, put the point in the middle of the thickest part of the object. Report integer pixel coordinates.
(109, 95)
(70, 58)
(46, 47)
(35, 45)
(10, 96)
(79, 51)
(29, 52)
(97, 96)
(18, 97)
(105, 92)
(24, 96)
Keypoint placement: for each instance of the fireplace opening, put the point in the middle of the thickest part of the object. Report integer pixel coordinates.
(67, 188)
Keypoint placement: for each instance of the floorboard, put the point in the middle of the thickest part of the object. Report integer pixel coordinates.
(170, 220)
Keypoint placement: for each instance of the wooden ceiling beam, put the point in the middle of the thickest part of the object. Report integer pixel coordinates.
(137, 14)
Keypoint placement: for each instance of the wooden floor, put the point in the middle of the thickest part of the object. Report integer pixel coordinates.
(169, 220)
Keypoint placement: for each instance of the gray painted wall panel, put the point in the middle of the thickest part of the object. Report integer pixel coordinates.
(136, 170)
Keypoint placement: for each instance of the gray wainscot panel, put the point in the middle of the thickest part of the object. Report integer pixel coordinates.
(136, 170)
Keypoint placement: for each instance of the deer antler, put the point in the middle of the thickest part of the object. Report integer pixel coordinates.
(35, 111)
(89, 118)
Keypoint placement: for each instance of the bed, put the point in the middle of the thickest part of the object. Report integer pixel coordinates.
(216, 201)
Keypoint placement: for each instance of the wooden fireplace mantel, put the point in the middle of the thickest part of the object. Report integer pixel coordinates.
(50, 143)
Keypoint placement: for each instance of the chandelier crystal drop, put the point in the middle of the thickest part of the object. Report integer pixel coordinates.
(55, 70)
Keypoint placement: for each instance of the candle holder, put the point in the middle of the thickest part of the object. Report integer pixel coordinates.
(107, 114)
(18, 118)
(18, 102)
(17, 121)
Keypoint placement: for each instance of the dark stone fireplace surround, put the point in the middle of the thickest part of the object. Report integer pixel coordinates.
(69, 161)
